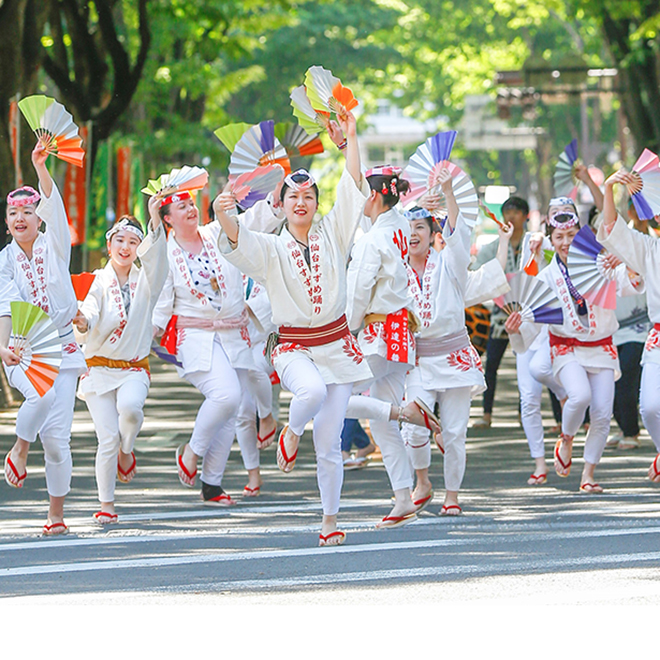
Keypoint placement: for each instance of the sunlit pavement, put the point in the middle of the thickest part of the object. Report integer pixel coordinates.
(546, 544)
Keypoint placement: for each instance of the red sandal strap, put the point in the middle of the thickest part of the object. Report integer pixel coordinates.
(286, 458)
(10, 463)
(184, 469)
(270, 435)
(130, 469)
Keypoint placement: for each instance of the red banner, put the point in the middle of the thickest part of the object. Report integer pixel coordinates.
(14, 118)
(75, 198)
(123, 206)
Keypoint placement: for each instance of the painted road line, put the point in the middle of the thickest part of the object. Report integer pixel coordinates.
(230, 556)
(466, 571)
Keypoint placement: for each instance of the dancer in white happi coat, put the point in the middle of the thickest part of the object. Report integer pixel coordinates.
(378, 301)
(303, 270)
(533, 371)
(642, 254)
(584, 360)
(114, 323)
(202, 311)
(34, 268)
(449, 369)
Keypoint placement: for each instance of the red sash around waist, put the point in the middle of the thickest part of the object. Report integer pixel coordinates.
(556, 340)
(320, 336)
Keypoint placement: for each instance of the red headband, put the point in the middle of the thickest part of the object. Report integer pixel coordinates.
(33, 197)
(383, 170)
(176, 197)
(386, 170)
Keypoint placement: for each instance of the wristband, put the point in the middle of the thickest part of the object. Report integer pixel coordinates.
(342, 145)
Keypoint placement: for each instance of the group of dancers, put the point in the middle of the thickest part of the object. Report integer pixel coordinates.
(360, 328)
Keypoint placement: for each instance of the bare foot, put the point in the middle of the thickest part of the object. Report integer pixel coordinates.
(451, 506)
(55, 527)
(126, 467)
(589, 487)
(366, 451)
(287, 449)
(563, 455)
(16, 463)
(330, 535)
(187, 465)
(422, 496)
(417, 413)
(267, 431)
(254, 483)
(654, 470)
(440, 442)
(540, 475)
(404, 511)
(107, 515)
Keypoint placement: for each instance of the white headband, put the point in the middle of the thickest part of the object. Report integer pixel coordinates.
(124, 224)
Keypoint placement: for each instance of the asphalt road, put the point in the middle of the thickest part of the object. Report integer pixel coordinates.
(547, 544)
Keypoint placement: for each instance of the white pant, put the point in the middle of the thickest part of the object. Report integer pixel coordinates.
(257, 399)
(534, 369)
(326, 404)
(540, 367)
(386, 388)
(649, 401)
(588, 390)
(454, 407)
(50, 417)
(215, 423)
(117, 417)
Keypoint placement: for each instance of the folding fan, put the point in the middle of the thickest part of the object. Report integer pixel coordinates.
(36, 341)
(326, 93)
(258, 147)
(533, 298)
(645, 192)
(186, 178)
(591, 277)
(565, 180)
(163, 354)
(309, 119)
(82, 283)
(297, 141)
(54, 127)
(250, 187)
(423, 169)
(230, 134)
(489, 214)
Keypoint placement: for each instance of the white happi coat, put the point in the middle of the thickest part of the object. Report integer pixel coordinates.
(45, 280)
(180, 297)
(598, 324)
(641, 253)
(378, 281)
(308, 298)
(111, 333)
(447, 288)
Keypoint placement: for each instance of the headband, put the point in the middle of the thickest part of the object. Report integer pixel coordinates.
(383, 170)
(23, 201)
(297, 186)
(176, 197)
(386, 170)
(124, 224)
(567, 224)
(562, 201)
(419, 214)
